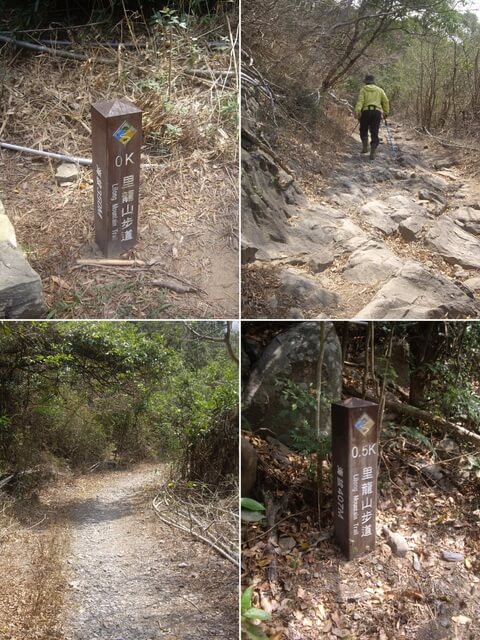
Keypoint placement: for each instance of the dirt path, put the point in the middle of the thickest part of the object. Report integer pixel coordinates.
(387, 239)
(133, 578)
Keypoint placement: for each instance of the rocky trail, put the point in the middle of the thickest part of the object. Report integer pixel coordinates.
(134, 578)
(392, 238)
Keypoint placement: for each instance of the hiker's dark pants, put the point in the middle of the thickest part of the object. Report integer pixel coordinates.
(370, 121)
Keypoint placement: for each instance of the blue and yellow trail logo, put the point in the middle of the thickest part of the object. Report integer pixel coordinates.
(364, 424)
(125, 132)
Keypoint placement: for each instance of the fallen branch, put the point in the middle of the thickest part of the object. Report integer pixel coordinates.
(54, 52)
(436, 421)
(46, 154)
(210, 75)
(111, 262)
(221, 551)
(171, 275)
(178, 288)
(108, 44)
(6, 480)
(427, 133)
(272, 508)
(37, 523)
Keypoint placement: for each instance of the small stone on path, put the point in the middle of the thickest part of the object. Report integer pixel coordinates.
(453, 556)
(396, 542)
(67, 172)
(287, 544)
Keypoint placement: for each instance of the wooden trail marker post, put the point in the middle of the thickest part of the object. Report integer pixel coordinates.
(355, 463)
(116, 142)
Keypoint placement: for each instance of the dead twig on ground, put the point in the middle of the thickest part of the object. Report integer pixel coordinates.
(178, 288)
(206, 73)
(427, 133)
(199, 512)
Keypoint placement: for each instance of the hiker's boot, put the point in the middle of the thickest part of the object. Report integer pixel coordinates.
(364, 145)
(373, 151)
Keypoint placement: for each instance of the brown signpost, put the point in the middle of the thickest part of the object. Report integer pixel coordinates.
(355, 462)
(116, 142)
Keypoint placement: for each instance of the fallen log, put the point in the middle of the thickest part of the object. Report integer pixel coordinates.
(414, 412)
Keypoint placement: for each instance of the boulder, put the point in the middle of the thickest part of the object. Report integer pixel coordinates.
(411, 228)
(453, 556)
(7, 232)
(417, 292)
(21, 293)
(400, 174)
(454, 244)
(396, 542)
(431, 196)
(291, 357)
(473, 283)
(400, 201)
(295, 312)
(468, 218)
(248, 253)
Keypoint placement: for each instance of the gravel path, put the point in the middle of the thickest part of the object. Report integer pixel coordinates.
(133, 578)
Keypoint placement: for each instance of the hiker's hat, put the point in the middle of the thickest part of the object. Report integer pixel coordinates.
(369, 79)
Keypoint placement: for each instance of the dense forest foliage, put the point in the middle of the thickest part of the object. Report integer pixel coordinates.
(79, 393)
(44, 13)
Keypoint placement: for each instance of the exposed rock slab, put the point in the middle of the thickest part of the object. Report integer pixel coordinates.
(454, 244)
(371, 263)
(21, 293)
(269, 201)
(329, 229)
(378, 214)
(304, 290)
(416, 292)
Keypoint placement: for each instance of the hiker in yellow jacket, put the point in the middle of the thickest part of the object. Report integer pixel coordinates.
(372, 102)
